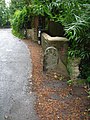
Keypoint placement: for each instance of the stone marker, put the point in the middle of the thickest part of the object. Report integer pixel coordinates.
(51, 58)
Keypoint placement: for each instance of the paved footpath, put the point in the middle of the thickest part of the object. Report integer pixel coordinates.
(16, 96)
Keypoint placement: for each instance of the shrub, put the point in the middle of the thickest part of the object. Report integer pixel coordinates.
(20, 22)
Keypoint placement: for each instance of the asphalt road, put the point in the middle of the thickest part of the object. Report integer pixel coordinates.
(16, 97)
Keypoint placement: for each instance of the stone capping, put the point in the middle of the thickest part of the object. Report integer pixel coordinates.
(49, 38)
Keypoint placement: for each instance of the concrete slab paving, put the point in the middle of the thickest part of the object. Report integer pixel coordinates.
(16, 97)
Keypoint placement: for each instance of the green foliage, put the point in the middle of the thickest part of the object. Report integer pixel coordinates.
(85, 68)
(4, 14)
(39, 7)
(88, 79)
(20, 22)
(88, 94)
(15, 23)
(70, 82)
(74, 15)
(18, 5)
(23, 18)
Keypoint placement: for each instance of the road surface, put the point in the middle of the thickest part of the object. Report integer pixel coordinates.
(16, 97)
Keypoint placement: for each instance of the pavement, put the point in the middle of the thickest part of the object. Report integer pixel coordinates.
(16, 97)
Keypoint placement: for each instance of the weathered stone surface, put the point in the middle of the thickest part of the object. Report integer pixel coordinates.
(51, 58)
(32, 33)
(73, 67)
(61, 44)
(29, 33)
(49, 38)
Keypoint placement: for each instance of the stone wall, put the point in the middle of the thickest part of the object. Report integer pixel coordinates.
(73, 67)
(61, 44)
(32, 33)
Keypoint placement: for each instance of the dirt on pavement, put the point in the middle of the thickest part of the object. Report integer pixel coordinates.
(55, 99)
